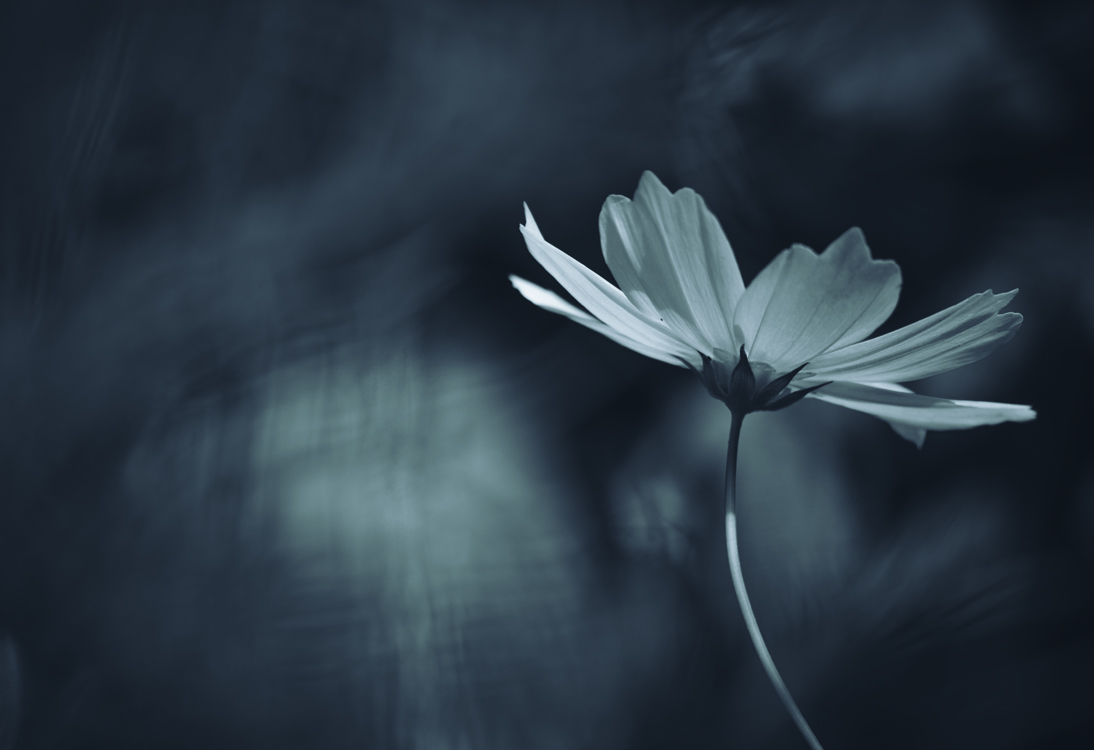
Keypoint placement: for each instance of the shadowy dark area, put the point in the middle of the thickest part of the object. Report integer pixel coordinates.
(285, 462)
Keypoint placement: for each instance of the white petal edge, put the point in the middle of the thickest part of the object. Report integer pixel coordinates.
(550, 301)
(896, 404)
(604, 301)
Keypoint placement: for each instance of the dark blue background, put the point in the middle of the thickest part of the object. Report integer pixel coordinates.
(285, 461)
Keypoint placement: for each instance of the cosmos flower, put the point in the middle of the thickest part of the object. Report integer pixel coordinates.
(799, 329)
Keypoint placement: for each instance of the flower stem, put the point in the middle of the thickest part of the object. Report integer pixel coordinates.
(739, 585)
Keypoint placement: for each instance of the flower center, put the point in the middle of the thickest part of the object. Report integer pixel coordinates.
(743, 392)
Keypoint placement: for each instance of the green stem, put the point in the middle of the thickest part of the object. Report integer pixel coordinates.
(742, 594)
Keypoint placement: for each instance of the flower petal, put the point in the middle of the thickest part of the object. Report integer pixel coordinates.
(600, 298)
(964, 333)
(910, 433)
(916, 435)
(548, 300)
(898, 405)
(671, 258)
(804, 304)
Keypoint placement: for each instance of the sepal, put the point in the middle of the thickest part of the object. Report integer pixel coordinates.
(791, 399)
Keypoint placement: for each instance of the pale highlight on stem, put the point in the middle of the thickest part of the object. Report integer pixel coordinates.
(742, 593)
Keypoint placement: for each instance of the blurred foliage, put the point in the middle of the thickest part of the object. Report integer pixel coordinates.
(287, 462)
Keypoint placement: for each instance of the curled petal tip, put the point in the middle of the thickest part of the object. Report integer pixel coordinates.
(1021, 413)
(530, 223)
(537, 295)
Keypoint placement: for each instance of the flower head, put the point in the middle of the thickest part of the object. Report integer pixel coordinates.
(799, 329)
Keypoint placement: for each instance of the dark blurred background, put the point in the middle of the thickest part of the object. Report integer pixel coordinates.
(286, 463)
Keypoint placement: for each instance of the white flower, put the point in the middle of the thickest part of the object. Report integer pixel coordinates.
(798, 329)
